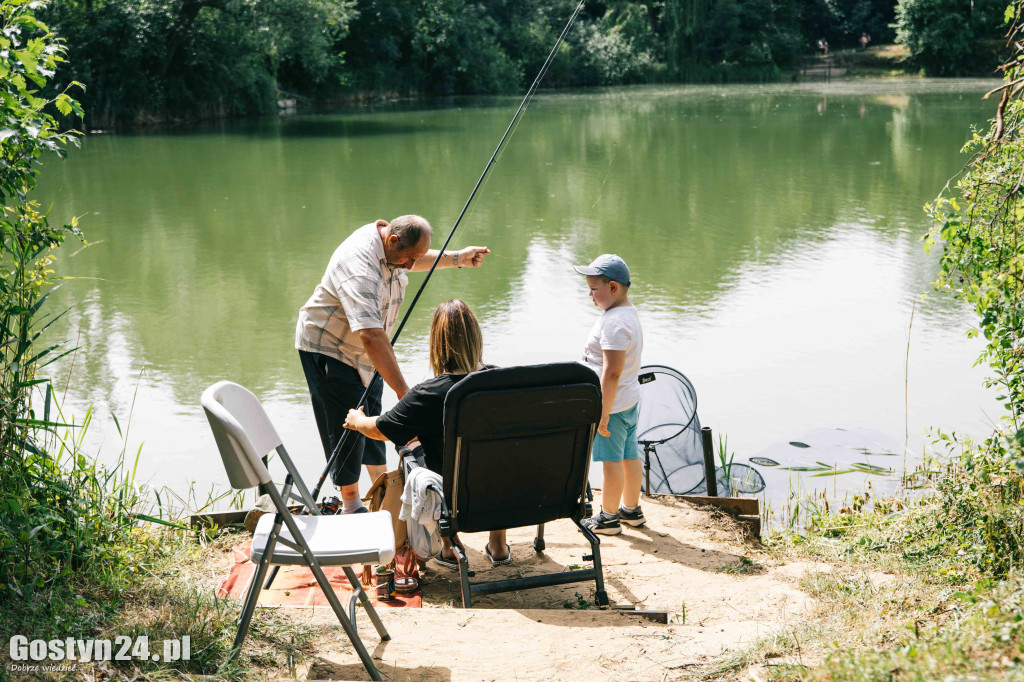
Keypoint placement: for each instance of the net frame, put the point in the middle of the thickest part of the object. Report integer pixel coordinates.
(687, 384)
(682, 435)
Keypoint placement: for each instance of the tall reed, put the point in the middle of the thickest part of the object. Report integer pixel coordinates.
(60, 512)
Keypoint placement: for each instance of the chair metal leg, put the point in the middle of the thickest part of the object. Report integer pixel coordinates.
(538, 542)
(364, 600)
(325, 585)
(254, 592)
(467, 593)
(600, 595)
(339, 611)
(270, 579)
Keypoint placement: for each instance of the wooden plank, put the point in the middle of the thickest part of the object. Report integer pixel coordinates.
(753, 523)
(225, 518)
(656, 616)
(737, 506)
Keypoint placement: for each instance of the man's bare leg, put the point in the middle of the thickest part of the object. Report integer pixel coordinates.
(375, 470)
(349, 491)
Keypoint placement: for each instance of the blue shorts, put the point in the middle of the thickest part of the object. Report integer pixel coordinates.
(621, 443)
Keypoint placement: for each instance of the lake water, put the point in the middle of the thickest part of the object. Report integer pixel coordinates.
(772, 233)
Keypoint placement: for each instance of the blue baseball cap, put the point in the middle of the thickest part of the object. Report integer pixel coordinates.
(609, 265)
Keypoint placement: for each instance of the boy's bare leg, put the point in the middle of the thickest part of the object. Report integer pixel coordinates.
(634, 475)
(611, 491)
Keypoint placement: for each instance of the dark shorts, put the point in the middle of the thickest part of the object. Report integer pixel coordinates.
(334, 389)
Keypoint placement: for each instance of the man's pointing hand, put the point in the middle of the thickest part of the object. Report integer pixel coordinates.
(473, 256)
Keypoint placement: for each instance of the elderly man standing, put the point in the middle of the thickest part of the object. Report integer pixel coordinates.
(344, 331)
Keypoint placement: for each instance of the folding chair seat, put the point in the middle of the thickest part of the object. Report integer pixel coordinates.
(244, 436)
(349, 540)
(517, 453)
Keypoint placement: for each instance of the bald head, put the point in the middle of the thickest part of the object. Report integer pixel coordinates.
(410, 230)
(406, 239)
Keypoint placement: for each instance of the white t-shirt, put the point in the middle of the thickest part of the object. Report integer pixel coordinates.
(618, 329)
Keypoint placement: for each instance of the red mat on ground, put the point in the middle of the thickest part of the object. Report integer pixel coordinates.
(296, 586)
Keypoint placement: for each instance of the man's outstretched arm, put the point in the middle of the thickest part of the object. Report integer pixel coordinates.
(469, 257)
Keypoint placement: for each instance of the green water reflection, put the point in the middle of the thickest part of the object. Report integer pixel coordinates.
(772, 232)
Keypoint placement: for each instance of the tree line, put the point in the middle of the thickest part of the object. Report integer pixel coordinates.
(168, 59)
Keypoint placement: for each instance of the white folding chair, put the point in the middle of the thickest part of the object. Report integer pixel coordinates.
(244, 436)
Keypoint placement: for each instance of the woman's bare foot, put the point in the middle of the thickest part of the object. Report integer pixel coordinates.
(497, 546)
(446, 549)
(498, 552)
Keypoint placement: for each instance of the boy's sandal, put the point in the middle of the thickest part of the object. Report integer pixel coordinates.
(499, 562)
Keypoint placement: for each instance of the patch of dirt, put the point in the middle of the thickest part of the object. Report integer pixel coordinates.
(693, 563)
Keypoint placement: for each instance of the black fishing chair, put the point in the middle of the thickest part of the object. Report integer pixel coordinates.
(517, 453)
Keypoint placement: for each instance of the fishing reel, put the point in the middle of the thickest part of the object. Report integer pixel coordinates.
(330, 506)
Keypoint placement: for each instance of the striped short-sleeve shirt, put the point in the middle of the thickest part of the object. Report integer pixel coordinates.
(359, 290)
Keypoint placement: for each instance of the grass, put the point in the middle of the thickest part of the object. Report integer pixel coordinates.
(170, 593)
(111, 562)
(923, 586)
(744, 566)
(581, 603)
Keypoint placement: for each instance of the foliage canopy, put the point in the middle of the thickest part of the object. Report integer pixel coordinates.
(948, 37)
(172, 59)
(981, 226)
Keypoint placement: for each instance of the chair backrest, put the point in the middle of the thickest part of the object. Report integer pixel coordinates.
(243, 432)
(517, 445)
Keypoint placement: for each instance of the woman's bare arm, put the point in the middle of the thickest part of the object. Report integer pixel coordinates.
(357, 421)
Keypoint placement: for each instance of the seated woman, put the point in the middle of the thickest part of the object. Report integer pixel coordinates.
(456, 347)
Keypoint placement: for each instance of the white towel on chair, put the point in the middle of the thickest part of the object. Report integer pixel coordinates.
(421, 509)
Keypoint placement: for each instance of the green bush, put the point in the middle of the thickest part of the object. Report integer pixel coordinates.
(59, 513)
(950, 37)
(980, 226)
(974, 519)
(596, 55)
(455, 47)
(182, 59)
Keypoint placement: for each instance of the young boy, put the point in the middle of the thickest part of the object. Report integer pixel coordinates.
(613, 351)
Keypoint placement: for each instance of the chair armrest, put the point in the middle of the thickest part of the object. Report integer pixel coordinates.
(409, 460)
(444, 524)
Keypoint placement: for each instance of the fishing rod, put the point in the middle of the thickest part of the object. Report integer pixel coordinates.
(501, 143)
(490, 162)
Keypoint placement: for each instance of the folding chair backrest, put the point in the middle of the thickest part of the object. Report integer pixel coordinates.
(517, 445)
(243, 432)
